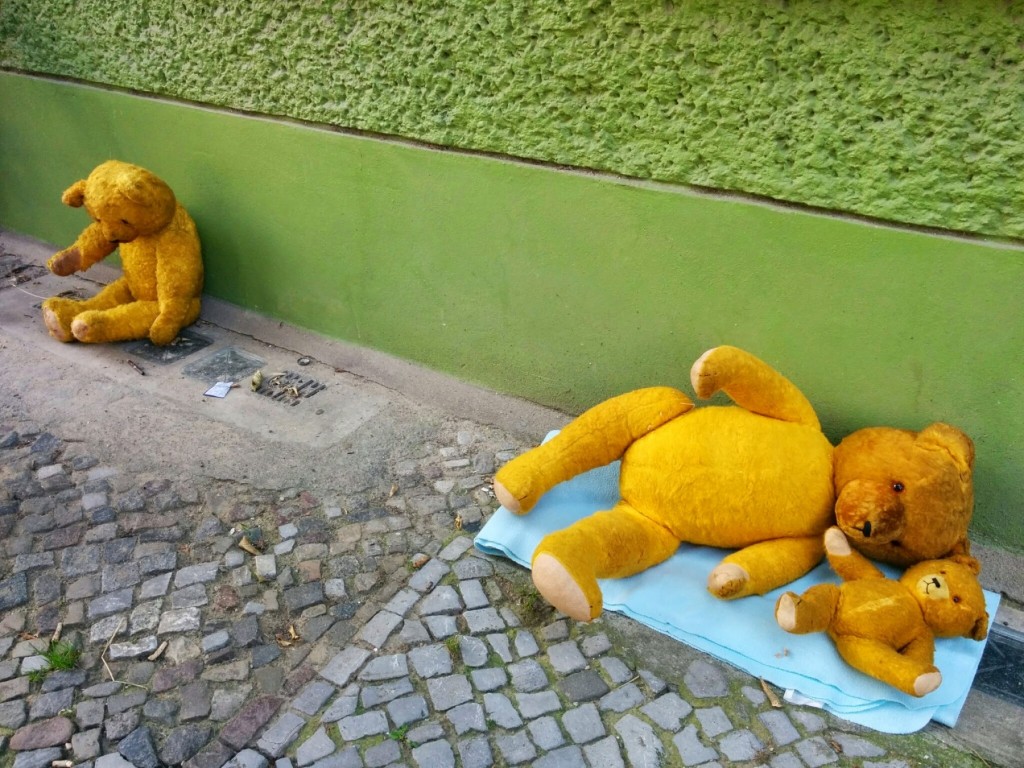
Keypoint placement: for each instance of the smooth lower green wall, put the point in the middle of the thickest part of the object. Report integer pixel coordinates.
(905, 110)
(560, 287)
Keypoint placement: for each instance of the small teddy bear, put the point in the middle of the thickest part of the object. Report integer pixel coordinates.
(887, 628)
(159, 292)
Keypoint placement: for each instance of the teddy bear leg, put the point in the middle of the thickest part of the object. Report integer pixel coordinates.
(810, 612)
(752, 384)
(606, 545)
(765, 566)
(122, 323)
(57, 316)
(877, 660)
(597, 437)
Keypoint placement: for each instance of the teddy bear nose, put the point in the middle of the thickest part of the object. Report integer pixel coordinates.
(866, 530)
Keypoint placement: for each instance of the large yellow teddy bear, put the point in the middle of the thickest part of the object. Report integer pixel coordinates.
(887, 628)
(759, 477)
(159, 292)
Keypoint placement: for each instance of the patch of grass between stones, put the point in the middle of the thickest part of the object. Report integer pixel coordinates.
(60, 655)
(527, 602)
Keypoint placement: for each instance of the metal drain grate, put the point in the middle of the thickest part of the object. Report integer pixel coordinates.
(1001, 672)
(289, 387)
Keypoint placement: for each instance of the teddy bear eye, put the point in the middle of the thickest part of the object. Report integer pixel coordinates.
(956, 599)
(898, 487)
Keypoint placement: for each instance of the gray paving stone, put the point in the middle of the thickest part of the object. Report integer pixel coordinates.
(367, 724)
(501, 646)
(475, 753)
(374, 695)
(515, 748)
(488, 678)
(137, 748)
(111, 602)
(740, 746)
(13, 714)
(85, 745)
(816, 752)
(377, 630)
(472, 568)
(713, 721)
(691, 750)
(449, 691)
(604, 753)
(40, 758)
(427, 577)
(50, 704)
(855, 746)
(313, 696)
(343, 706)
(545, 733)
(385, 753)
(248, 758)
(343, 667)
(500, 710)
(316, 747)
(583, 724)
(779, 727)
(622, 698)
(280, 734)
(473, 650)
(527, 675)
(482, 620)
(705, 680)
(385, 668)
(443, 599)
(431, 660)
(407, 710)
(786, 760)
(535, 704)
(344, 758)
(116, 727)
(142, 647)
(473, 595)
(441, 626)
(192, 596)
(566, 757)
(616, 669)
(526, 644)
(179, 620)
(667, 711)
(240, 730)
(155, 587)
(642, 745)
(125, 701)
(215, 641)
(566, 658)
(467, 717)
(183, 742)
(585, 685)
(402, 602)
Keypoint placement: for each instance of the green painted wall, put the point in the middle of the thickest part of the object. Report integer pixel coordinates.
(564, 288)
(906, 110)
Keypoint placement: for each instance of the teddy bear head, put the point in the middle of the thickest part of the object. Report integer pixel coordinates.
(904, 497)
(125, 200)
(950, 596)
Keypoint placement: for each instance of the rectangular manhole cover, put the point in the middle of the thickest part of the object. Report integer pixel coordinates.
(187, 343)
(289, 387)
(1001, 671)
(229, 364)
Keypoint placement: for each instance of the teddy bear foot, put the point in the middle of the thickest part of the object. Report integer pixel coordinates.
(836, 542)
(58, 331)
(560, 589)
(926, 683)
(506, 498)
(728, 580)
(80, 329)
(785, 611)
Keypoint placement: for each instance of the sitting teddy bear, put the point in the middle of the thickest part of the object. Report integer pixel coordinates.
(887, 628)
(158, 294)
(756, 476)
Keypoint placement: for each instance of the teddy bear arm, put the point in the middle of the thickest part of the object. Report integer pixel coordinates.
(90, 247)
(765, 566)
(908, 673)
(853, 566)
(752, 384)
(595, 438)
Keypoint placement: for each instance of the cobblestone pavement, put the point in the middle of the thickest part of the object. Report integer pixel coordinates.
(221, 626)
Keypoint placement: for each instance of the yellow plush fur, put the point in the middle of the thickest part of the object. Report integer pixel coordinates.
(756, 476)
(160, 289)
(887, 628)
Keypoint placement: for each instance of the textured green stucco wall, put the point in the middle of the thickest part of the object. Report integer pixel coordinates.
(564, 288)
(906, 110)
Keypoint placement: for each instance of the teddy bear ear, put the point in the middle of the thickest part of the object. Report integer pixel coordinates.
(968, 562)
(74, 195)
(951, 440)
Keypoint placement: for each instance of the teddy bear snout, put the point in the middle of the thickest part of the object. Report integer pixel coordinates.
(870, 511)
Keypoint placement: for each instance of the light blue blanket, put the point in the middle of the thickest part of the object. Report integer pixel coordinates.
(672, 598)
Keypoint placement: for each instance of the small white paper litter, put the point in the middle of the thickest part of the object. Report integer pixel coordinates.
(220, 389)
